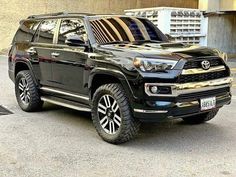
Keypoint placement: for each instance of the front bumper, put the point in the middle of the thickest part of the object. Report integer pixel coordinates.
(184, 100)
(11, 75)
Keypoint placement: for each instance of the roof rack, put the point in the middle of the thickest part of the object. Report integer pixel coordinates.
(57, 14)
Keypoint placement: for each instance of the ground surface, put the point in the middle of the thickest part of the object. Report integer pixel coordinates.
(62, 142)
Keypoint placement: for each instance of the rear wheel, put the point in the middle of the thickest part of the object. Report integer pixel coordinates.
(111, 114)
(27, 94)
(198, 119)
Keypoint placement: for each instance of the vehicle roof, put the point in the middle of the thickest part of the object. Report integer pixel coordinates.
(69, 14)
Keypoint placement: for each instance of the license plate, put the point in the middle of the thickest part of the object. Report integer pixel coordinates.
(208, 103)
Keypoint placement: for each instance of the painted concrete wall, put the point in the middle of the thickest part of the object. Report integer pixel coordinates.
(222, 32)
(209, 5)
(12, 11)
(217, 5)
(227, 5)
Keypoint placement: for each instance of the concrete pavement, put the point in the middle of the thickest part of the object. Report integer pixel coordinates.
(59, 142)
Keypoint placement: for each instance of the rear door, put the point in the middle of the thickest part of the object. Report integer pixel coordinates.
(42, 49)
(21, 43)
(70, 61)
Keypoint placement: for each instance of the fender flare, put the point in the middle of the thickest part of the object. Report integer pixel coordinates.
(26, 62)
(112, 72)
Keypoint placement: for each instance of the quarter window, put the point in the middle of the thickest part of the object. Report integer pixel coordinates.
(26, 31)
(46, 32)
(71, 27)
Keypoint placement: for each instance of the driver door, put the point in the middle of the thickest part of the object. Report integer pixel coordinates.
(69, 61)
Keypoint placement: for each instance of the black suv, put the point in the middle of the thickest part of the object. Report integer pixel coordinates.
(123, 69)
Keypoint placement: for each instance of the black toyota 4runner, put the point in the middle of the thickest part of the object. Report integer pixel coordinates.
(123, 69)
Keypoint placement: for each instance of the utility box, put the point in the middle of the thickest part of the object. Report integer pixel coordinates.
(184, 25)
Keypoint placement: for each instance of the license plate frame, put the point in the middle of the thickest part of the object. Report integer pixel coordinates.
(207, 103)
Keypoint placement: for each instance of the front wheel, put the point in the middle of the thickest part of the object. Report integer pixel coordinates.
(111, 114)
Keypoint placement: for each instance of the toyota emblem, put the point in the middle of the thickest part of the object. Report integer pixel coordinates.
(206, 64)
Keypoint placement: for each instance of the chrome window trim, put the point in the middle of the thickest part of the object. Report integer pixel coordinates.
(202, 71)
(179, 89)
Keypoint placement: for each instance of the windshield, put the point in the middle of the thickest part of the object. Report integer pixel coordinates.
(125, 29)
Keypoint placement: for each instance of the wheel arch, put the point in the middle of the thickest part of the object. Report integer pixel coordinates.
(104, 76)
(23, 65)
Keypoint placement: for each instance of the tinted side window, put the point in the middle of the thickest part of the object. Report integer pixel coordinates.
(26, 31)
(46, 32)
(71, 27)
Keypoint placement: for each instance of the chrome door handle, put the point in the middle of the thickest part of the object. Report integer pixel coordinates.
(31, 51)
(55, 54)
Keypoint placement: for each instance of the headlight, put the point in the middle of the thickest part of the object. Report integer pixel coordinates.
(221, 54)
(153, 64)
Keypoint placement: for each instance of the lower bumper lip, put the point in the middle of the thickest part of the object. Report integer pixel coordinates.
(150, 111)
(179, 109)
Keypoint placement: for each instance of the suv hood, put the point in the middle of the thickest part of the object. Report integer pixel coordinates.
(173, 51)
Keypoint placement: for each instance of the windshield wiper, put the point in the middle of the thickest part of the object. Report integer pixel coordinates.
(133, 42)
(146, 41)
(116, 42)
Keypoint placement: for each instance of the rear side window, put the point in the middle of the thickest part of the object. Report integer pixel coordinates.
(46, 31)
(26, 31)
(71, 27)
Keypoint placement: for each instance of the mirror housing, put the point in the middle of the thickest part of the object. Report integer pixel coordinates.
(75, 40)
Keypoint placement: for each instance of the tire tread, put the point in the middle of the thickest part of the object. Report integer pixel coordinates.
(35, 103)
(130, 126)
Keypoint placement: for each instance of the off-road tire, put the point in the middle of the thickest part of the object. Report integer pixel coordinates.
(34, 102)
(129, 126)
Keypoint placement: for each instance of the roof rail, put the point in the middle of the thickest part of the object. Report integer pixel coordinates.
(45, 15)
(57, 14)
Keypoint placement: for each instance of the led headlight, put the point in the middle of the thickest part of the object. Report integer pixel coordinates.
(153, 64)
(221, 54)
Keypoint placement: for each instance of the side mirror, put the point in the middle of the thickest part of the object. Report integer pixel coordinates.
(169, 37)
(75, 40)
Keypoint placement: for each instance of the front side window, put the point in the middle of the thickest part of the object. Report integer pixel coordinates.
(46, 31)
(127, 29)
(71, 27)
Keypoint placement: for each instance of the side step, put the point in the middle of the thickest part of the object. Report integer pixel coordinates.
(66, 103)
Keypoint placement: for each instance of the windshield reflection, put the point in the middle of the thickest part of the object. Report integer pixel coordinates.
(111, 30)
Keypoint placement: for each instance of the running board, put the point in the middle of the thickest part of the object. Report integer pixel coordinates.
(52, 90)
(66, 103)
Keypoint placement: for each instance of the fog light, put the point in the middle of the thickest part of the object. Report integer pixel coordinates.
(154, 89)
(163, 103)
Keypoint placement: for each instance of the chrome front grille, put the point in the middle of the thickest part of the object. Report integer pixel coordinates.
(208, 93)
(196, 63)
(193, 71)
(202, 77)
